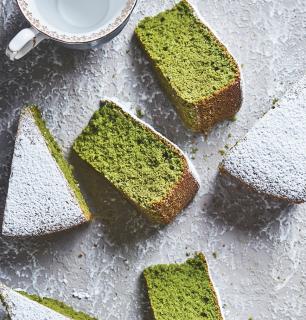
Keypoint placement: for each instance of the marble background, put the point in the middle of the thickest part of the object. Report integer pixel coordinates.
(255, 248)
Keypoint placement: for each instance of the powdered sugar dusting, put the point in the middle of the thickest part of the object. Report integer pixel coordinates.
(259, 268)
(19, 307)
(39, 199)
(271, 158)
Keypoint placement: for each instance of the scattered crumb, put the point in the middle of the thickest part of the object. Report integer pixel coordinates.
(193, 152)
(222, 152)
(229, 135)
(226, 146)
(250, 318)
(233, 119)
(139, 113)
(274, 102)
(215, 254)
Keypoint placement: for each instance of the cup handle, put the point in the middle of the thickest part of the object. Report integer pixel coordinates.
(24, 41)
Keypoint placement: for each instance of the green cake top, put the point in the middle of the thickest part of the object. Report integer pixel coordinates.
(132, 157)
(182, 291)
(58, 306)
(188, 54)
(59, 158)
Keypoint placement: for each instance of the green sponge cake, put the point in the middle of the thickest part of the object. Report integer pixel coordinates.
(19, 305)
(182, 291)
(200, 76)
(148, 170)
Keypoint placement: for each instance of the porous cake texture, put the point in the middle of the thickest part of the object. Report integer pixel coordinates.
(143, 165)
(271, 158)
(182, 291)
(197, 71)
(20, 305)
(43, 196)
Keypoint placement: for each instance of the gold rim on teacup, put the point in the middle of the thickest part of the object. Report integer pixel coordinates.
(40, 26)
(41, 29)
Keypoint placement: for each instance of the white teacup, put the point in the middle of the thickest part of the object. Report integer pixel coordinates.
(80, 24)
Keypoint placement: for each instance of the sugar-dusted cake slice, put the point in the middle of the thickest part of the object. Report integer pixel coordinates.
(43, 196)
(196, 70)
(182, 291)
(147, 168)
(271, 158)
(20, 305)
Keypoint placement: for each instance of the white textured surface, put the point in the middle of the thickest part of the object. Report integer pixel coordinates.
(271, 158)
(19, 307)
(259, 269)
(39, 199)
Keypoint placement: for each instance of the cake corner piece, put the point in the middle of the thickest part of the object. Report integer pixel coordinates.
(270, 159)
(20, 305)
(170, 287)
(204, 83)
(149, 170)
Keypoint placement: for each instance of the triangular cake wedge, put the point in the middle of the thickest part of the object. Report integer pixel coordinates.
(20, 305)
(182, 291)
(144, 166)
(43, 196)
(271, 158)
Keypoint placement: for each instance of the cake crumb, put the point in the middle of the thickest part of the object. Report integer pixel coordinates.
(222, 152)
(274, 101)
(139, 113)
(193, 152)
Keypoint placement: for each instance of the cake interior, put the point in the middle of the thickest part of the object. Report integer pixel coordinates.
(58, 306)
(188, 54)
(60, 160)
(182, 291)
(129, 155)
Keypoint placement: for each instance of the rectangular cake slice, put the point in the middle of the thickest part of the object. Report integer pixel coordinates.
(144, 166)
(196, 70)
(182, 291)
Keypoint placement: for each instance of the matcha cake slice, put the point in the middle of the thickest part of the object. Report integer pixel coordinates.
(20, 305)
(43, 196)
(182, 291)
(146, 167)
(271, 158)
(198, 73)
